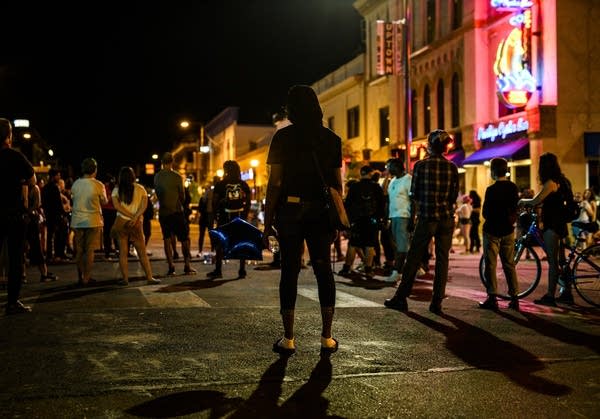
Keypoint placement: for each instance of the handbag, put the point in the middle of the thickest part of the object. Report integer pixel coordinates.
(336, 212)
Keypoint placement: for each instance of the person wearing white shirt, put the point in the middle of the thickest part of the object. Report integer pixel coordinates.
(399, 213)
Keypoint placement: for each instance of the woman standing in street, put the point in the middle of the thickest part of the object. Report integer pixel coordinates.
(303, 151)
(130, 200)
(554, 227)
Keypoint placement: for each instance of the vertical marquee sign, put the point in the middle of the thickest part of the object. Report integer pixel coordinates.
(388, 37)
(514, 82)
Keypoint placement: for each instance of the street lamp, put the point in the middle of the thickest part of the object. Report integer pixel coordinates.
(254, 164)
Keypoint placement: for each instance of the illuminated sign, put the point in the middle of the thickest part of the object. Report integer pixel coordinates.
(514, 82)
(388, 37)
(504, 129)
(512, 4)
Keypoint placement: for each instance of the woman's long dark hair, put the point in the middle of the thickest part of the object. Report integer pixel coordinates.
(231, 171)
(126, 181)
(549, 168)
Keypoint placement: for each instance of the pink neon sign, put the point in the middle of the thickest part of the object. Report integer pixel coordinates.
(514, 82)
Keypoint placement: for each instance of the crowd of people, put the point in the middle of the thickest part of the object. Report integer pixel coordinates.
(404, 218)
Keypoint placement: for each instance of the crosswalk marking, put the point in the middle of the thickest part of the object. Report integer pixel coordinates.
(342, 299)
(179, 299)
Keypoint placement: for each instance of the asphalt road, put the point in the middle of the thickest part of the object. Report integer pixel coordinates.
(192, 347)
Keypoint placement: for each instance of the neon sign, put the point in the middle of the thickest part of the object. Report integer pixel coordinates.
(492, 133)
(512, 4)
(514, 82)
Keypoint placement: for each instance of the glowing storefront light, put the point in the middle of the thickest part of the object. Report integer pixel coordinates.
(514, 82)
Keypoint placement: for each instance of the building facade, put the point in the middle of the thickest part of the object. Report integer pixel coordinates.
(510, 78)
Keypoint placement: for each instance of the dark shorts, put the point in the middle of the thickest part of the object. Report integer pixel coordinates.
(174, 224)
(364, 232)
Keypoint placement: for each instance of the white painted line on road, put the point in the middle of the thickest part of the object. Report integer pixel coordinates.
(342, 299)
(180, 299)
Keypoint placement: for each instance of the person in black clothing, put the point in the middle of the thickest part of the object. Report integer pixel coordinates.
(302, 156)
(231, 199)
(365, 205)
(500, 214)
(54, 211)
(475, 241)
(17, 175)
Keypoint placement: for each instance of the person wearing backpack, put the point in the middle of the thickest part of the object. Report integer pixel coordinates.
(365, 206)
(553, 198)
(231, 199)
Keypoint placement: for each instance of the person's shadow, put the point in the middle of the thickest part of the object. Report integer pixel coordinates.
(554, 330)
(306, 402)
(485, 351)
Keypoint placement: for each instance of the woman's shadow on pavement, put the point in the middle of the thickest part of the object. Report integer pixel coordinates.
(307, 401)
(485, 351)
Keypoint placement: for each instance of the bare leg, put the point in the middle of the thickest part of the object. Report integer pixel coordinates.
(123, 263)
(143, 257)
(168, 251)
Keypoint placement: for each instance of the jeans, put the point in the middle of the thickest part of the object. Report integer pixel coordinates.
(442, 231)
(505, 246)
(552, 242)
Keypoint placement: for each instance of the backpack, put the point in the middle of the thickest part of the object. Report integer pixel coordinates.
(570, 208)
(365, 205)
(235, 198)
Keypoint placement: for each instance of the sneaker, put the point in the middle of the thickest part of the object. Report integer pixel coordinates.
(153, 281)
(214, 275)
(546, 300)
(394, 277)
(489, 304)
(48, 277)
(189, 271)
(396, 303)
(344, 271)
(123, 282)
(565, 297)
(17, 308)
(171, 271)
(435, 308)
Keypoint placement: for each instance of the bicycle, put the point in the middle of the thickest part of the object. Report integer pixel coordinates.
(580, 268)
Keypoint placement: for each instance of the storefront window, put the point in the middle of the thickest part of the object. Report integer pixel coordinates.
(427, 109)
(384, 126)
(413, 113)
(440, 104)
(455, 101)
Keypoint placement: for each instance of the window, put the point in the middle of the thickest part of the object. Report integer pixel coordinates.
(353, 125)
(430, 21)
(413, 113)
(440, 104)
(457, 9)
(331, 123)
(252, 145)
(455, 101)
(427, 109)
(384, 126)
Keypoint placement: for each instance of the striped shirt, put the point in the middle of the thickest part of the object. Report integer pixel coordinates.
(435, 188)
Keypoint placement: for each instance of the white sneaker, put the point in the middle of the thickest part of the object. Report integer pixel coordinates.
(421, 272)
(394, 277)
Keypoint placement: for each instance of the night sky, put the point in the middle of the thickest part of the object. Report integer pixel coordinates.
(111, 80)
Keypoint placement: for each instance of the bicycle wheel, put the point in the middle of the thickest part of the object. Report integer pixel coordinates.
(529, 271)
(586, 275)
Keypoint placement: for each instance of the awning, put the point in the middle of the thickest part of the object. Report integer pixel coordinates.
(515, 150)
(456, 157)
(591, 141)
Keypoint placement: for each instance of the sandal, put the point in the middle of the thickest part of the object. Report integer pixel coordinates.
(330, 350)
(281, 350)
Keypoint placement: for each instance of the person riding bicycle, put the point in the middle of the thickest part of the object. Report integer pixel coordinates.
(554, 225)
